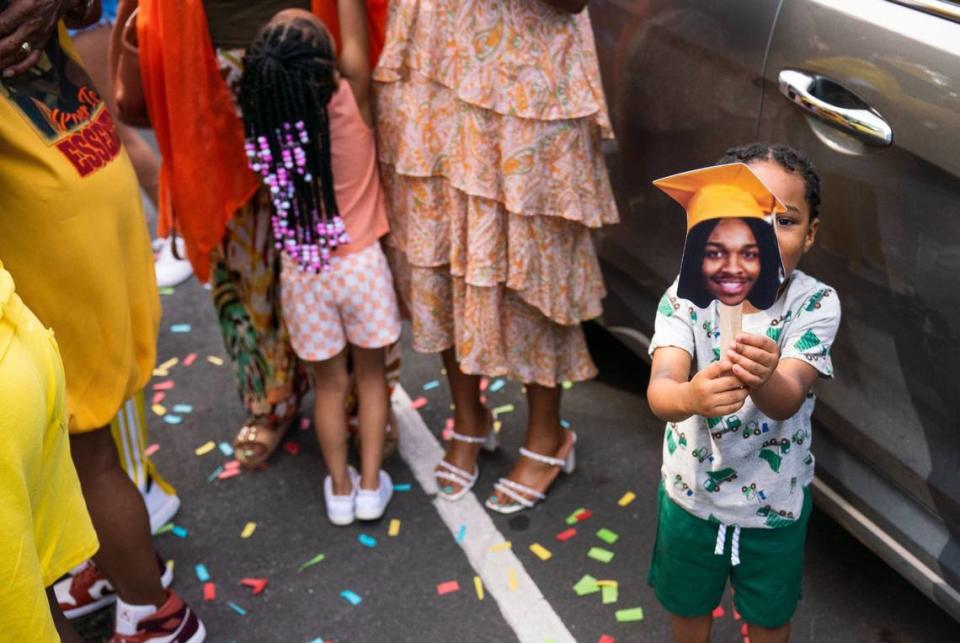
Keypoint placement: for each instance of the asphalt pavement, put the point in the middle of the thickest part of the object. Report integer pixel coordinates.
(849, 593)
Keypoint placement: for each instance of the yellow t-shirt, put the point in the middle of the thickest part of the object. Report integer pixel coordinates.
(44, 526)
(73, 235)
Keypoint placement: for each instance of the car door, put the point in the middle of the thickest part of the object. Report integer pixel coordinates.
(870, 90)
(682, 79)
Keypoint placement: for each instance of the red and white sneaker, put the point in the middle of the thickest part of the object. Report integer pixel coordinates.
(87, 590)
(173, 622)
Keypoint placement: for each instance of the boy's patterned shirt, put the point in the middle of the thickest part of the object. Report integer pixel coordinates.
(746, 469)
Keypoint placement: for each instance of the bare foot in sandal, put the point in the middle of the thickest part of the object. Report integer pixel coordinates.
(532, 476)
(257, 440)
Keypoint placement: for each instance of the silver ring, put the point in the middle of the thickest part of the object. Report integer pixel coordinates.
(27, 48)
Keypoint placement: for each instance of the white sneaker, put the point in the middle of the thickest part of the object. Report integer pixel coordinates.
(161, 506)
(340, 509)
(371, 503)
(170, 270)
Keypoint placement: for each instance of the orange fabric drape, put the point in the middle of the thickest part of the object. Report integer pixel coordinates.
(204, 178)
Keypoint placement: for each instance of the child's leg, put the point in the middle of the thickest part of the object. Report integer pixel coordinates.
(331, 383)
(469, 417)
(767, 635)
(120, 518)
(372, 393)
(691, 629)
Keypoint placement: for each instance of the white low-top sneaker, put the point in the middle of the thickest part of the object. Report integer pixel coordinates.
(340, 509)
(371, 503)
(170, 270)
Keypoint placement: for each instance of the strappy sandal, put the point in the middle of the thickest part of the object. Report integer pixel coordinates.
(465, 479)
(525, 497)
(250, 451)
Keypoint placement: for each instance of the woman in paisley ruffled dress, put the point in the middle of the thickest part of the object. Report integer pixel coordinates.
(490, 118)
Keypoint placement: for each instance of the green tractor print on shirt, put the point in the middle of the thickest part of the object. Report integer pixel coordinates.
(716, 479)
(776, 519)
(668, 305)
(773, 451)
(675, 439)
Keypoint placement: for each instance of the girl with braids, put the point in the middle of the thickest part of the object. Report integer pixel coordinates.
(308, 124)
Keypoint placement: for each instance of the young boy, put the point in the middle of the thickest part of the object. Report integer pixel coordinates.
(734, 497)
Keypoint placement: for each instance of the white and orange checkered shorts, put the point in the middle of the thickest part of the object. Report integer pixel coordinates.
(354, 302)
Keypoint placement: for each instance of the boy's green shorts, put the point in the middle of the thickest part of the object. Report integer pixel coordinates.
(689, 579)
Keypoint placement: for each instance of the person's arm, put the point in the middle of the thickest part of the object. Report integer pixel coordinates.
(713, 392)
(30, 23)
(570, 6)
(354, 62)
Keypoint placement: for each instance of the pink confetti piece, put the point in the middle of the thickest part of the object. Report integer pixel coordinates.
(189, 359)
(606, 638)
(209, 592)
(291, 447)
(158, 397)
(230, 465)
(304, 424)
(165, 385)
(256, 584)
(449, 587)
(150, 450)
(419, 403)
(566, 535)
(736, 614)
(583, 515)
(719, 612)
(484, 383)
(228, 473)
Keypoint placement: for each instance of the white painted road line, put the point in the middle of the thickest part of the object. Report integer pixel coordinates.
(525, 609)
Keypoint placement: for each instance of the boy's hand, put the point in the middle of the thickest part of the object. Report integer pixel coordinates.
(715, 391)
(754, 359)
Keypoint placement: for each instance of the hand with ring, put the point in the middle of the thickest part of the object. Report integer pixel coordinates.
(26, 27)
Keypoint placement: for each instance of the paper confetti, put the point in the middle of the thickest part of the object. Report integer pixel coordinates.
(226, 474)
(501, 410)
(606, 638)
(158, 397)
(202, 574)
(205, 448)
(564, 424)
(180, 328)
(394, 529)
(310, 563)
(402, 486)
(182, 408)
(504, 546)
(172, 419)
(170, 363)
(256, 584)
(478, 587)
(189, 359)
(540, 551)
(572, 518)
(627, 498)
(165, 385)
(607, 536)
(180, 532)
(419, 403)
(209, 592)
(150, 450)
(236, 608)
(367, 541)
(609, 594)
(567, 385)
(216, 361)
(586, 585)
(566, 535)
(719, 612)
(630, 615)
(165, 529)
(291, 447)
(165, 290)
(600, 554)
(225, 449)
(448, 587)
(484, 383)
(512, 579)
(432, 384)
(497, 384)
(461, 534)
(213, 474)
(304, 424)
(160, 373)
(351, 597)
(607, 583)
(159, 409)
(248, 529)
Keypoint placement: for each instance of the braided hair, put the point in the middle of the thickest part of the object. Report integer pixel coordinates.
(787, 158)
(289, 78)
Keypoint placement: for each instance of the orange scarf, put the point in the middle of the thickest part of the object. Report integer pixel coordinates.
(204, 178)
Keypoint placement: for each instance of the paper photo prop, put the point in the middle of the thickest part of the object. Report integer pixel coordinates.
(730, 254)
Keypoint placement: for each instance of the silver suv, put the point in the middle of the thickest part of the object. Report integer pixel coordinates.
(870, 90)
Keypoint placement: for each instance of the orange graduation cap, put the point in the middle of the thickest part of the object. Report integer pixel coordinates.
(711, 194)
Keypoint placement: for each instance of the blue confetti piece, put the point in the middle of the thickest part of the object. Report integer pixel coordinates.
(432, 384)
(403, 486)
(172, 419)
(214, 474)
(182, 408)
(180, 328)
(367, 541)
(202, 574)
(351, 597)
(179, 531)
(319, 639)
(461, 534)
(236, 608)
(496, 385)
(564, 424)
(225, 449)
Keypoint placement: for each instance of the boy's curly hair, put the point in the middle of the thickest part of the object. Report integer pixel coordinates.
(787, 158)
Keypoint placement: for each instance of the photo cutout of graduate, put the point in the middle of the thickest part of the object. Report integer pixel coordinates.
(730, 254)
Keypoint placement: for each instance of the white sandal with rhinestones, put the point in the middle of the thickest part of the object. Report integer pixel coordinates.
(455, 474)
(525, 497)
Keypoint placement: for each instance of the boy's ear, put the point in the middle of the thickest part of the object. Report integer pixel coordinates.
(811, 234)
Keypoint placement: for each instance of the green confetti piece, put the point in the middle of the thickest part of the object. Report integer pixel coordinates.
(500, 410)
(610, 594)
(572, 518)
(586, 585)
(567, 385)
(313, 561)
(213, 474)
(600, 554)
(165, 291)
(607, 536)
(630, 615)
(167, 528)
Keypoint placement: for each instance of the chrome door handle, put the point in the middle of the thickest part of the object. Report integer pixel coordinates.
(861, 122)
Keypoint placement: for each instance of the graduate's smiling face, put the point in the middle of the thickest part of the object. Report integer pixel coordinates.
(731, 261)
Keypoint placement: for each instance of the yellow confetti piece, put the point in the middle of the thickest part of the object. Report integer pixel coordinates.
(170, 564)
(216, 361)
(478, 585)
(170, 363)
(159, 409)
(607, 583)
(204, 449)
(248, 529)
(504, 546)
(627, 498)
(512, 579)
(394, 527)
(497, 425)
(541, 552)
(159, 372)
